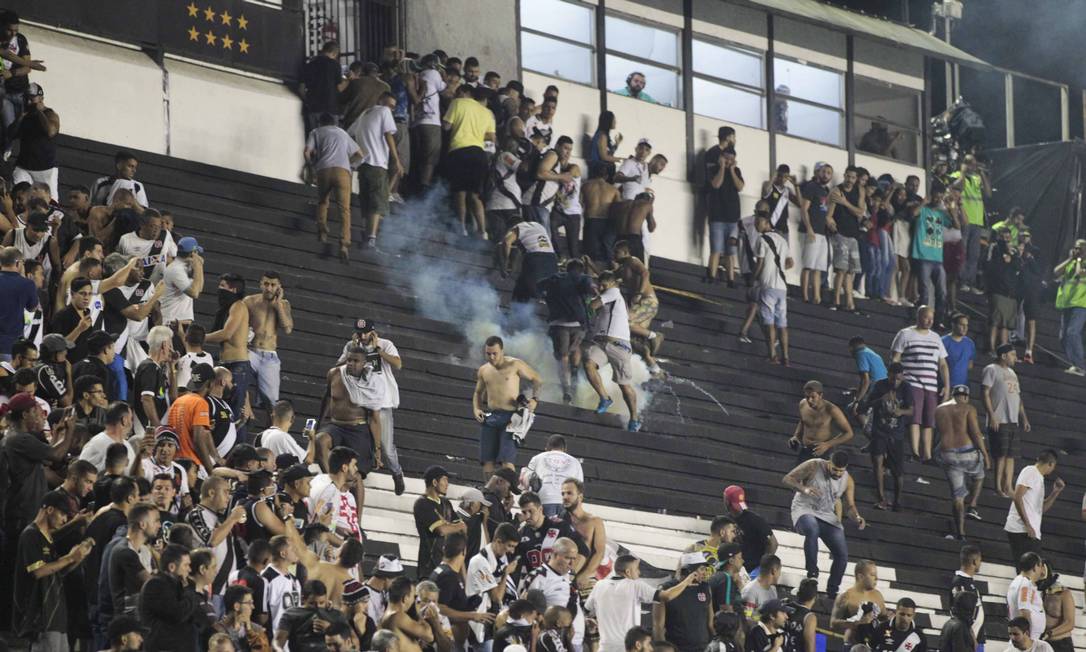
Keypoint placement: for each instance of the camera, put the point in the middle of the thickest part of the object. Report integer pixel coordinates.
(867, 607)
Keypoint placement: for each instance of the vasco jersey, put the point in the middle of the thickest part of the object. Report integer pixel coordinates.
(535, 545)
(888, 638)
(281, 592)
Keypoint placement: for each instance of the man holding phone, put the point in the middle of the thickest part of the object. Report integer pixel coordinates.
(268, 312)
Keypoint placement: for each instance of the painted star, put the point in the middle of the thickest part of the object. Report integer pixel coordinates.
(243, 46)
(243, 22)
(227, 42)
(210, 36)
(193, 34)
(209, 15)
(193, 10)
(226, 17)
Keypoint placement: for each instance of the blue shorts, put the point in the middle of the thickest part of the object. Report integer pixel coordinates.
(495, 444)
(773, 307)
(723, 238)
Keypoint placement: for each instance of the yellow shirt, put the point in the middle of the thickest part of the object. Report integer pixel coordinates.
(470, 122)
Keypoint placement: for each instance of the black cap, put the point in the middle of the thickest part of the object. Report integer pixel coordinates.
(121, 625)
(772, 607)
(38, 222)
(201, 374)
(363, 326)
(57, 500)
(296, 472)
(285, 460)
(510, 476)
(1004, 348)
(434, 473)
(98, 340)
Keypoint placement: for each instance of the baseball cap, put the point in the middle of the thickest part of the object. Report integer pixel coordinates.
(201, 374)
(34, 90)
(819, 165)
(772, 607)
(38, 222)
(354, 592)
(735, 497)
(121, 625)
(97, 340)
(1004, 348)
(434, 472)
(510, 476)
(363, 326)
(57, 500)
(296, 472)
(813, 386)
(285, 460)
(188, 244)
(165, 434)
(21, 402)
(473, 495)
(55, 343)
(691, 560)
(961, 389)
(388, 566)
(646, 142)
(725, 552)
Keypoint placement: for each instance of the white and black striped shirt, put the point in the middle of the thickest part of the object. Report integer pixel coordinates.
(920, 355)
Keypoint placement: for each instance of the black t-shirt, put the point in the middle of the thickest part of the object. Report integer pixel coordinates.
(37, 150)
(247, 576)
(686, 616)
(150, 380)
(968, 584)
(794, 641)
(114, 303)
(64, 322)
(298, 623)
(101, 529)
(881, 400)
(535, 544)
(723, 201)
(52, 381)
(26, 454)
(320, 76)
(167, 519)
(95, 368)
(497, 514)
(39, 603)
(725, 591)
(18, 84)
(848, 224)
(94, 421)
(755, 532)
(100, 492)
(818, 195)
(428, 516)
(565, 295)
(1000, 274)
(450, 585)
(774, 197)
(888, 638)
(758, 640)
(124, 578)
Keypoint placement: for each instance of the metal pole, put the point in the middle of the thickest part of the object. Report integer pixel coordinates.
(601, 52)
(770, 92)
(688, 84)
(1008, 105)
(951, 96)
(1065, 113)
(850, 101)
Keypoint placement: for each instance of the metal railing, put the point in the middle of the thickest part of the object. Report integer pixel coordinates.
(363, 28)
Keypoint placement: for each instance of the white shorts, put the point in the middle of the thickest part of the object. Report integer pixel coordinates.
(816, 255)
(903, 239)
(19, 175)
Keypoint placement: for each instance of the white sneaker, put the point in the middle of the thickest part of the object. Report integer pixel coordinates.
(977, 291)
(856, 294)
(906, 303)
(1074, 371)
(395, 198)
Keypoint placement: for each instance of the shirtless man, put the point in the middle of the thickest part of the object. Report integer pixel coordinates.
(353, 391)
(597, 196)
(102, 220)
(409, 631)
(856, 610)
(268, 312)
(629, 219)
(962, 454)
(636, 288)
(333, 574)
(497, 387)
(817, 420)
(232, 321)
(591, 529)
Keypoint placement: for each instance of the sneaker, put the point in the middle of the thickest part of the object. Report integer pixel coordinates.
(973, 514)
(834, 307)
(397, 482)
(634, 425)
(655, 370)
(395, 198)
(1075, 371)
(567, 398)
(604, 404)
(966, 288)
(951, 537)
(977, 291)
(743, 339)
(906, 303)
(856, 294)
(656, 342)
(922, 480)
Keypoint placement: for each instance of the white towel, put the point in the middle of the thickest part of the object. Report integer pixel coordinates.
(367, 391)
(518, 427)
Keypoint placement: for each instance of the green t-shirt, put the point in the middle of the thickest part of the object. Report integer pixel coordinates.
(928, 238)
(972, 197)
(1072, 292)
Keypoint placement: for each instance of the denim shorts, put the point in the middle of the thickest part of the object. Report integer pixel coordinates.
(723, 238)
(495, 444)
(958, 464)
(846, 254)
(773, 307)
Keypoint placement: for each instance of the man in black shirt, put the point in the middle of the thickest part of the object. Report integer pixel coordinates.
(53, 371)
(258, 557)
(100, 353)
(90, 404)
(846, 209)
(539, 533)
(452, 600)
(686, 620)
(40, 608)
(322, 81)
(76, 322)
(755, 535)
(888, 401)
(37, 159)
(1001, 277)
(151, 384)
(965, 582)
(567, 318)
(815, 194)
(899, 634)
(302, 627)
(725, 181)
(130, 562)
(501, 487)
(802, 627)
(435, 519)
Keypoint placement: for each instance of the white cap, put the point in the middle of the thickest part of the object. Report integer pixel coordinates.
(387, 565)
(474, 496)
(645, 141)
(689, 559)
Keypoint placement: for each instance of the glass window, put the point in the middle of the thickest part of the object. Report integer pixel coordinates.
(661, 84)
(728, 103)
(642, 41)
(882, 139)
(556, 58)
(894, 104)
(1037, 116)
(809, 83)
(727, 63)
(808, 121)
(563, 19)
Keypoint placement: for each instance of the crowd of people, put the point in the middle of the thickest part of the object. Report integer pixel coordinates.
(145, 508)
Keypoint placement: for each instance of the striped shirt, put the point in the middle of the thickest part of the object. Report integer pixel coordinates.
(920, 355)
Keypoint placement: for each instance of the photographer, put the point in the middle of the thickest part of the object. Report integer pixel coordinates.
(1071, 302)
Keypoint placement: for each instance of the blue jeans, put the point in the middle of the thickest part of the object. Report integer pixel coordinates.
(117, 369)
(886, 263)
(243, 376)
(814, 529)
(971, 235)
(541, 214)
(1072, 320)
(931, 275)
(867, 266)
(553, 509)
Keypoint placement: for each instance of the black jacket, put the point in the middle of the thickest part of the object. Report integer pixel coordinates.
(172, 613)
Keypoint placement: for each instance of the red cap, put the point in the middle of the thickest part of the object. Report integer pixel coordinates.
(735, 498)
(18, 404)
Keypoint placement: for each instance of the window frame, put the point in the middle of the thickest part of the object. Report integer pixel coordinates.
(592, 46)
(677, 68)
(760, 91)
(917, 131)
(842, 111)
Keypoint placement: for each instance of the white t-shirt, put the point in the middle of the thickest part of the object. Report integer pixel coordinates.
(95, 451)
(507, 196)
(534, 237)
(131, 244)
(369, 132)
(137, 188)
(770, 276)
(613, 319)
(322, 491)
(554, 468)
(617, 604)
(631, 167)
(1023, 594)
(1033, 501)
(536, 123)
(281, 443)
(428, 111)
(382, 369)
(175, 304)
(187, 362)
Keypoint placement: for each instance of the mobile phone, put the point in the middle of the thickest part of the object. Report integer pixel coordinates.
(310, 424)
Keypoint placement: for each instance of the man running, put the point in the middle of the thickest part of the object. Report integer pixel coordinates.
(636, 288)
(497, 387)
(611, 344)
(353, 390)
(818, 418)
(962, 454)
(539, 261)
(268, 312)
(597, 196)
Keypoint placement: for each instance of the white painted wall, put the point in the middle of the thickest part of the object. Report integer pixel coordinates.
(485, 29)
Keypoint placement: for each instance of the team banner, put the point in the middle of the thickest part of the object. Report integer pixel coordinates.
(260, 38)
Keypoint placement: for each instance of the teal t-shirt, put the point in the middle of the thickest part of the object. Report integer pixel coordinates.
(928, 238)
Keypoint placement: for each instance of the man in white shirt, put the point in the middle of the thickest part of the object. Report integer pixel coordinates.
(184, 281)
(151, 243)
(124, 178)
(543, 122)
(119, 420)
(632, 176)
(426, 128)
(332, 154)
(278, 439)
(194, 355)
(282, 588)
(1021, 641)
(553, 467)
(772, 258)
(554, 579)
(375, 133)
(490, 575)
(617, 601)
(1023, 525)
(611, 344)
(1024, 599)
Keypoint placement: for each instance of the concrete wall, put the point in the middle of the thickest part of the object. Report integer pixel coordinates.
(486, 29)
(114, 94)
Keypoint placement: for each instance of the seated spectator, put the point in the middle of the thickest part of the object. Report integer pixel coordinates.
(635, 88)
(37, 129)
(123, 178)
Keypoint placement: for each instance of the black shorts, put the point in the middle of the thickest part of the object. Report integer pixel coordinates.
(534, 267)
(1031, 308)
(466, 168)
(358, 438)
(891, 448)
(1004, 441)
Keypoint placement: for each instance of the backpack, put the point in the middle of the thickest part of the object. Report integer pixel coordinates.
(529, 168)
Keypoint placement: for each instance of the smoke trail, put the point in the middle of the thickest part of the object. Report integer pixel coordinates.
(457, 293)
